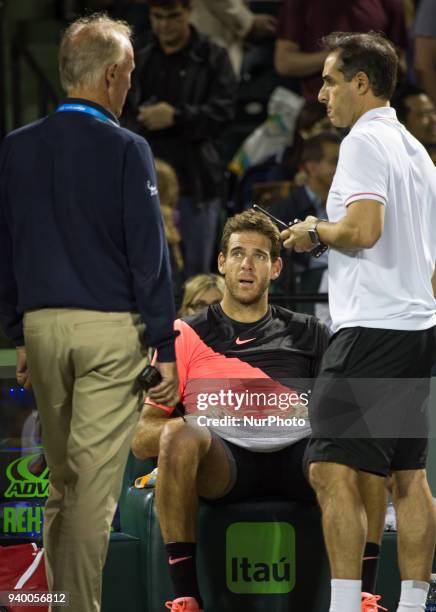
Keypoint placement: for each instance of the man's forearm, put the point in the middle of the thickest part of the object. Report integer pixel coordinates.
(297, 63)
(360, 228)
(343, 235)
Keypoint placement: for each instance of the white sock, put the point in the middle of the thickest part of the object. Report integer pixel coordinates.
(413, 596)
(346, 595)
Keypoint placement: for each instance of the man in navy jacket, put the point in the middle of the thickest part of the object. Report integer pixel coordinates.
(84, 289)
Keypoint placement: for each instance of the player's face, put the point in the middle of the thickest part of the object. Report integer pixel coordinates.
(339, 96)
(247, 267)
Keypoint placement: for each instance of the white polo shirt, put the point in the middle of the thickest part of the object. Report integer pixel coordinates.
(389, 285)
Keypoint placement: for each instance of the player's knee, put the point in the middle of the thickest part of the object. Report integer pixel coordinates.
(177, 441)
(171, 433)
(139, 450)
(317, 477)
(329, 478)
(144, 441)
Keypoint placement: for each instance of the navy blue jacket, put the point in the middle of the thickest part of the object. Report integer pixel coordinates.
(80, 224)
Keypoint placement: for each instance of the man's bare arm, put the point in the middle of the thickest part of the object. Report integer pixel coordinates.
(290, 61)
(360, 228)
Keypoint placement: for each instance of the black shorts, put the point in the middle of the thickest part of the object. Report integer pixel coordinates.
(369, 406)
(256, 475)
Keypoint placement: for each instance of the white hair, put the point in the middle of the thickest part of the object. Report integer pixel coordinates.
(89, 45)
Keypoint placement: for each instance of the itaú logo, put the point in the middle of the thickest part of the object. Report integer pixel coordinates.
(260, 558)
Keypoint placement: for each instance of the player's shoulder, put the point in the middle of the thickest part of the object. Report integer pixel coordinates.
(290, 317)
(299, 324)
(196, 319)
(193, 323)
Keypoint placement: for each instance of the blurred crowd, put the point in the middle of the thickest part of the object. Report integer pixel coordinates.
(226, 94)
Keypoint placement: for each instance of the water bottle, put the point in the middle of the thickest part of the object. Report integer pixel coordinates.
(430, 604)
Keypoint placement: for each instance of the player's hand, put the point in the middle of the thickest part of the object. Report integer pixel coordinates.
(22, 373)
(157, 116)
(167, 391)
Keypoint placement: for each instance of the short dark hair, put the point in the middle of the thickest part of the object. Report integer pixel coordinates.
(252, 221)
(169, 3)
(371, 53)
(399, 100)
(313, 147)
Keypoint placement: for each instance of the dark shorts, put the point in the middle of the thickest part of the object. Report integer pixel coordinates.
(369, 406)
(257, 475)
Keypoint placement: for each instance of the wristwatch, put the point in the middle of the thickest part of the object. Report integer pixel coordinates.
(313, 234)
(318, 247)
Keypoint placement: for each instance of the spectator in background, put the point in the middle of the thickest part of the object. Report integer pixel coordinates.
(318, 161)
(201, 291)
(168, 187)
(302, 24)
(425, 47)
(183, 94)
(417, 112)
(229, 23)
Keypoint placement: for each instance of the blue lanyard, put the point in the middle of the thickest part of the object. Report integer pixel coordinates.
(82, 108)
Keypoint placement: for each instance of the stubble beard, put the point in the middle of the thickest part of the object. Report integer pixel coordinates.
(248, 300)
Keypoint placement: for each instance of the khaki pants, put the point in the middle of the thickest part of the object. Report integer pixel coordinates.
(83, 365)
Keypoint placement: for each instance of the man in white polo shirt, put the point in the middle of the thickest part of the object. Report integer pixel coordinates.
(382, 238)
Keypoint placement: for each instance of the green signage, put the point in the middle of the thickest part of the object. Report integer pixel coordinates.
(23, 483)
(22, 519)
(260, 558)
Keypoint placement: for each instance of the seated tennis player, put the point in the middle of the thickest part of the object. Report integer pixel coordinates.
(244, 370)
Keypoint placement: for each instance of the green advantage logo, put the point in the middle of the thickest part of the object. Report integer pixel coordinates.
(260, 558)
(23, 483)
